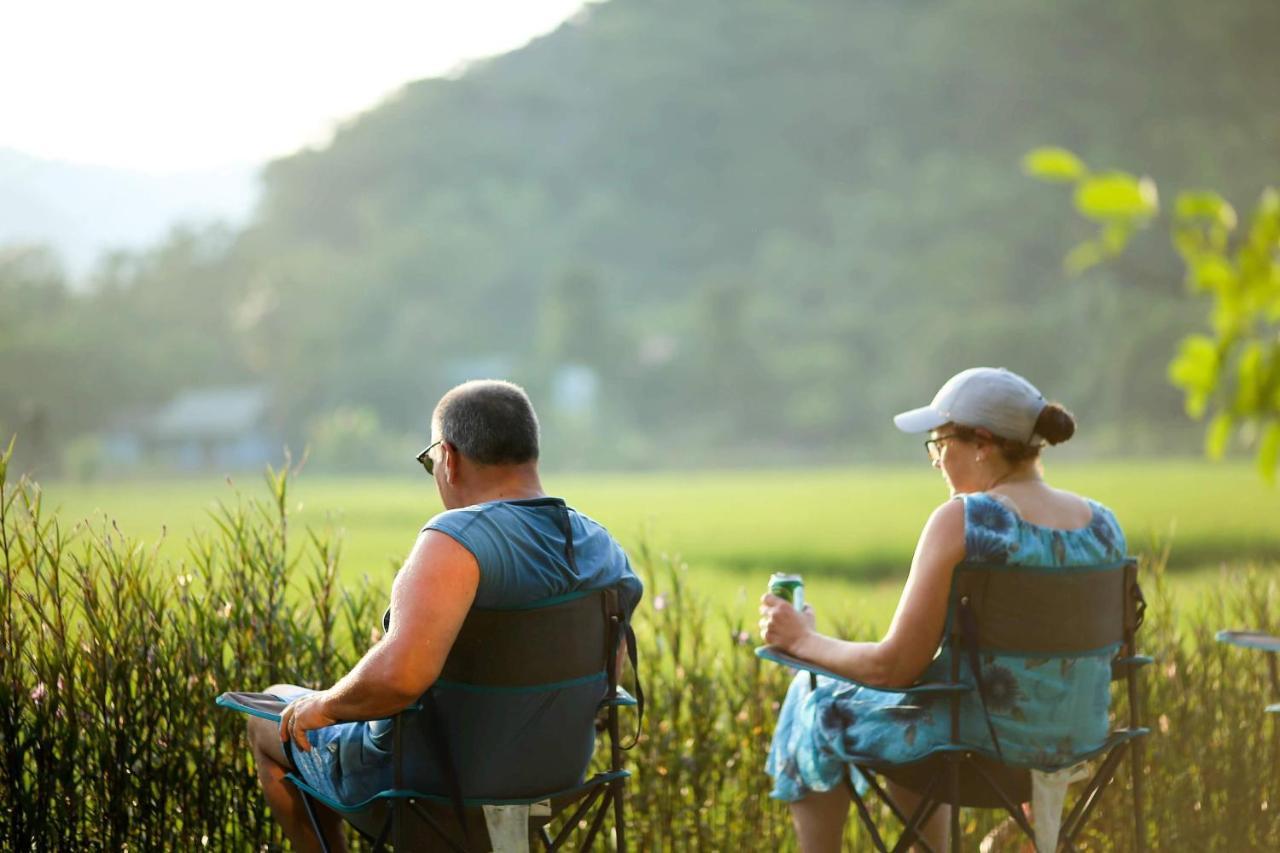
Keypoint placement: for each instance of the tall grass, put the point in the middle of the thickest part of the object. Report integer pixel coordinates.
(111, 655)
(111, 658)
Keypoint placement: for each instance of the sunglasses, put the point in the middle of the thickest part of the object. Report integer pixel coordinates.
(933, 446)
(425, 460)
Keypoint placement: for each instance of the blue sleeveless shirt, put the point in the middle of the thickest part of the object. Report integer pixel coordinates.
(524, 743)
(520, 548)
(1047, 711)
(527, 743)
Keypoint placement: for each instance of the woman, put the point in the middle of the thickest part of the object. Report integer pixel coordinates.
(986, 427)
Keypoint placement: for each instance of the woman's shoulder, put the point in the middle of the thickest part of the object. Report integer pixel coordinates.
(990, 510)
(995, 532)
(1105, 528)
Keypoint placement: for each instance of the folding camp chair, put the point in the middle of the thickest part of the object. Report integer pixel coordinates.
(432, 805)
(1026, 611)
(1262, 642)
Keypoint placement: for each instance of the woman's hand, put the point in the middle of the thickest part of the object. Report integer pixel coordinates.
(301, 716)
(782, 626)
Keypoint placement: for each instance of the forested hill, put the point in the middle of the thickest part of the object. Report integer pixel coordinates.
(765, 226)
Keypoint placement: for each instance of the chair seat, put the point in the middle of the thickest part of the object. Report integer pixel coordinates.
(470, 802)
(428, 816)
(977, 768)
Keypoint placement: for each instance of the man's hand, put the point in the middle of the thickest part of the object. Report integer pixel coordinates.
(782, 626)
(301, 716)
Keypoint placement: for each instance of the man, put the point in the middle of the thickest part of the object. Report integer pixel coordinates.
(500, 543)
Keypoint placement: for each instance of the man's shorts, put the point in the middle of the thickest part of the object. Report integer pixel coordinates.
(345, 762)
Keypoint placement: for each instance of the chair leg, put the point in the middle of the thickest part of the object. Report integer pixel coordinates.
(596, 822)
(865, 816)
(315, 821)
(1139, 820)
(881, 793)
(1088, 798)
(928, 805)
(583, 808)
(1014, 809)
(379, 843)
(619, 816)
(953, 792)
(435, 827)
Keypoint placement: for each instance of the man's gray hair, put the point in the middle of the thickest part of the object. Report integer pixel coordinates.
(489, 421)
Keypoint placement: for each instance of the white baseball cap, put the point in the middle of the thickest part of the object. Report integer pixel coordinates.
(993, 398)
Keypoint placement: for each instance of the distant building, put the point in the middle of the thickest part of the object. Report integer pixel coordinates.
(221, 428)
(574, 390)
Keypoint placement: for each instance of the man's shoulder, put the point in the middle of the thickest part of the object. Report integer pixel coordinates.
(455, 520)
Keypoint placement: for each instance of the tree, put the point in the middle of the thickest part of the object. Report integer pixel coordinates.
(1232, 372)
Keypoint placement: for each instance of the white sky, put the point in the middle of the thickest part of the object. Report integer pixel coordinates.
(165, 85)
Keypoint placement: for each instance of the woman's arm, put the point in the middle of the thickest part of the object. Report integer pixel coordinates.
(913, 637)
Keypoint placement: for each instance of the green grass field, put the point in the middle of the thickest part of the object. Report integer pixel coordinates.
(850, 531)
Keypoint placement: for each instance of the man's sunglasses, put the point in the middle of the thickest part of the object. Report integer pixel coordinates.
(425, 460)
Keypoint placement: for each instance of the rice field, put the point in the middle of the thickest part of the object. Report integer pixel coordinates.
(850, 531)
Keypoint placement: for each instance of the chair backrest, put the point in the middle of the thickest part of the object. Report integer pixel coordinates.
(1051, 612)
(547, 642)
(1006, 622)
(516, 703)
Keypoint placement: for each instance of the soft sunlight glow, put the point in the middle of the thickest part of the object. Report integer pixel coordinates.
(163, 85)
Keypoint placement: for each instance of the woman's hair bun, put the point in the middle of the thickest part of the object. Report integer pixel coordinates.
(1055, 424)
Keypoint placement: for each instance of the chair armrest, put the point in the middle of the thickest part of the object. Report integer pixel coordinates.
(1120, 666)
(773, 655)
(621, 697)
(1250, 640)
(268, 706)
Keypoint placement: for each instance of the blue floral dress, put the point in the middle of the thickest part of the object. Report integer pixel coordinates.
(1047, 712)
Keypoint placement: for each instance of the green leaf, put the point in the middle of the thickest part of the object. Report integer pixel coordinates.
(1195, 370)
(1117, 195)
(1054, 164)
(1217, 435)
(1115, 236)
(1208, 206)
(1211, 272)
(1249, 379)
(1196, 364)
(1082, 257)
(1269, 452)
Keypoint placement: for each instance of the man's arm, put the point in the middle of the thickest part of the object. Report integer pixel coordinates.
(430, 599)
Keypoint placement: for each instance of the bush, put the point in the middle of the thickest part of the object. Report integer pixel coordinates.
(112, 657)
(109, 737)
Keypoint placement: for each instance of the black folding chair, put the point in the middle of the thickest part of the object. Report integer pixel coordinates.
(1019, 610)
(436, 743)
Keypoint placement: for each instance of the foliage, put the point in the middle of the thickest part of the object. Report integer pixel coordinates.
(766, 237)
(109, 737)
(1234, 371)
(108, 733)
